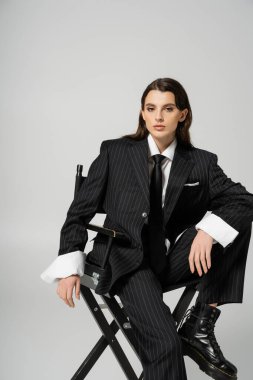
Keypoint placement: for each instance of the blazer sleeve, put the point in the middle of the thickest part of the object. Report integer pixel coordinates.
(73, 234)
(229, 200)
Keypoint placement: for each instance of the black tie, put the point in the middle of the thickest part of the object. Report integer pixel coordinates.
(156, 232)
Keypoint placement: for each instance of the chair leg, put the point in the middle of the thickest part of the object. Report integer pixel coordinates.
(123, 323)
(120, 322)
(111, 340)
(120, 317)
(183, 303)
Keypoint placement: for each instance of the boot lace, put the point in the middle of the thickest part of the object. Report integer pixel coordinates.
(210, 332)
(209, 327)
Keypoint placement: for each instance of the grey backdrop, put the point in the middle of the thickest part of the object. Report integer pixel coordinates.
(72, 74)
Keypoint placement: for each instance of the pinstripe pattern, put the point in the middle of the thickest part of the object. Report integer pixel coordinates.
(119, 178)
(141, 293)
(160, 348)
(224, 281)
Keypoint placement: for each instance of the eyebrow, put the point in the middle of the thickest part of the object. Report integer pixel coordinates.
(168, 104)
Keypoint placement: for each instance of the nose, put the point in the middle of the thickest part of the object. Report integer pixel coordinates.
(158, 116)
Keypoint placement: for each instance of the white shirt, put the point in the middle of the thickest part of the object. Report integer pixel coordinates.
(73, 262)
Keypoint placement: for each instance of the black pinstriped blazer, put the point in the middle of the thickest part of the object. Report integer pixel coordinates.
(119, 180)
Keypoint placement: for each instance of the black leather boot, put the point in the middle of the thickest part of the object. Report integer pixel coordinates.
(200, 344)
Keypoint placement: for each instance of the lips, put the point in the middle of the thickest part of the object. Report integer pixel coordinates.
(159, 127)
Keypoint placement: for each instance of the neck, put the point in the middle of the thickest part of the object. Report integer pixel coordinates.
(163, 144)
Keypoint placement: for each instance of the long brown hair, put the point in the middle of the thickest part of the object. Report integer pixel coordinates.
(182, 101)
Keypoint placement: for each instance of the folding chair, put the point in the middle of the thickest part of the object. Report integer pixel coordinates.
(120, 321)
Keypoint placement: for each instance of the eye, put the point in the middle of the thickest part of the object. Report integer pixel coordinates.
(150, 109)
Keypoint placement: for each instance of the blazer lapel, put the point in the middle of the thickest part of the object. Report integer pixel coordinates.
(179, 172)
(138, 156)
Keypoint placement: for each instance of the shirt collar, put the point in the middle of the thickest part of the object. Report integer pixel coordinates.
(168, 152)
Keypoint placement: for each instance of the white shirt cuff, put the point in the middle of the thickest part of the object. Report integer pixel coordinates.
(216, 227)
(64, 266)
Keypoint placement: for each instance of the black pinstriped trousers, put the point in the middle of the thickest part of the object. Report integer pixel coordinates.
(141, 294)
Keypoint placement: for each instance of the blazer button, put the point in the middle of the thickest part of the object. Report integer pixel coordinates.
(144, 214)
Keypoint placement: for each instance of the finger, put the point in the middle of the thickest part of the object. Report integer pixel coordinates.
(66, 302)
(60, 291)
(63, 295)
(197, 263)
(203, 260)
(208, 258)
(78, 288)
(69, 296)
(191, 260)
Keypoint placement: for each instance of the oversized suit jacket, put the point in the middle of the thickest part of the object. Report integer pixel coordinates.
(118, 179)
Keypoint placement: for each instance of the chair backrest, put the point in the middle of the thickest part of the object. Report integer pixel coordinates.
(80, 179)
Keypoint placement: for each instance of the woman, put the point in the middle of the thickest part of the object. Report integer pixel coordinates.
(185, 219)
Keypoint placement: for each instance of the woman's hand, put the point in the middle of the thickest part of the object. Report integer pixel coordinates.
(65, 289)
(200, 252)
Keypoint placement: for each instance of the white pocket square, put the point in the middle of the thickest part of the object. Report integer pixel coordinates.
(191, 184)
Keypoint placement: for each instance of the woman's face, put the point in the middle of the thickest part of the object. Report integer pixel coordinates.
(160, 108)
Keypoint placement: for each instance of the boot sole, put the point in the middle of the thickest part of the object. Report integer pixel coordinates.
(203, 364)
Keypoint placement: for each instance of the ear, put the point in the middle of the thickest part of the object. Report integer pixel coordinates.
(142, 114)
(184, 114)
